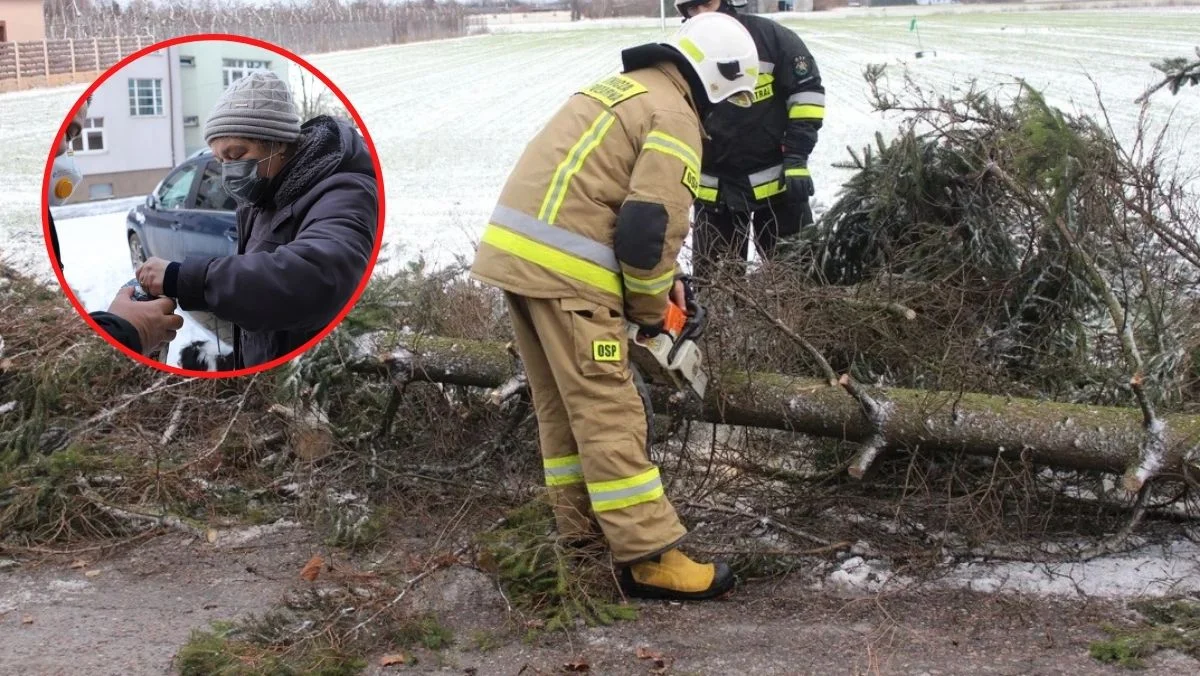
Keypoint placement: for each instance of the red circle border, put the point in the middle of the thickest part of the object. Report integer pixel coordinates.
(379, 226)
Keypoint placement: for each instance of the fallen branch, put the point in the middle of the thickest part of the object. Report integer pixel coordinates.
(1068, 436)
(161, 385)
(134, 515)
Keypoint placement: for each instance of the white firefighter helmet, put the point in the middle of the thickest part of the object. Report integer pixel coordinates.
(723, 55)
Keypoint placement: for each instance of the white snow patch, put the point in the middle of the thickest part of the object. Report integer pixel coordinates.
(857, 574)
(28, 592)
(96, 265)
(96, 208)
(239, 536)
(1150, 571)
(1157, 570)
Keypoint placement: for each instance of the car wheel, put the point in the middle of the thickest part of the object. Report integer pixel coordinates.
(137, 254)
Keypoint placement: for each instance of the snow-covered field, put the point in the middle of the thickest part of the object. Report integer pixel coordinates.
(449, 118)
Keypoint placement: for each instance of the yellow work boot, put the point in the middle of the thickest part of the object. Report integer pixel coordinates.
(675, 577)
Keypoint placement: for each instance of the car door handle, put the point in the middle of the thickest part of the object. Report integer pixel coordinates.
(231, 234)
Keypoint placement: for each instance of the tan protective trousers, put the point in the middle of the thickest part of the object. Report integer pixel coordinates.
(592, 426)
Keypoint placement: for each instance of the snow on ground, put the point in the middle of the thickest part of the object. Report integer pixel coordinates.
(1152, 570)
(97, 264)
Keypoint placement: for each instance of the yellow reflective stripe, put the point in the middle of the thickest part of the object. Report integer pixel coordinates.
(649, 287)
(767, 190)
(571, 164)
(707, 194)
(620, 493)
(691, 50)
(665, 143)
(563, 471)
(806, 111)
(621, 503)
(796, 171)
(552, 259)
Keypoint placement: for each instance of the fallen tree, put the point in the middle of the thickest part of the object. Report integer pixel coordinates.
(1055, 434)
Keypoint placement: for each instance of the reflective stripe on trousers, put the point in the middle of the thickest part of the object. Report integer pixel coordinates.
(563, 471)
(621, 493)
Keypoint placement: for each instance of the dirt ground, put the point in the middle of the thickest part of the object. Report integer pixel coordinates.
(127, 614)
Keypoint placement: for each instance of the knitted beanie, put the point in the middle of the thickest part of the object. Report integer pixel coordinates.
(257, 106)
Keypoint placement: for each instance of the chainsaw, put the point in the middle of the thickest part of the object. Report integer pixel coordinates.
(672, 358)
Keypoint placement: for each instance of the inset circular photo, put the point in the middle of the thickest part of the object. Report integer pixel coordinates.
(214, 205)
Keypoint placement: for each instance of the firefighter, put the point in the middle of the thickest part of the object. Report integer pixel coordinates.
(755, 169)
(583, 240)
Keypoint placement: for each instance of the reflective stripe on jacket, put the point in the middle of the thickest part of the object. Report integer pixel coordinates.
(597, 205)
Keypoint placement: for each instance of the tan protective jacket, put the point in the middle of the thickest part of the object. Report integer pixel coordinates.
(597, 206)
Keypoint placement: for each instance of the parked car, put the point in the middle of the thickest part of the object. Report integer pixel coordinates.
(188, 214)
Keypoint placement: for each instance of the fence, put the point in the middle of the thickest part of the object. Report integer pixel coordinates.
(304, 30)
(57, 62)
(63, 61)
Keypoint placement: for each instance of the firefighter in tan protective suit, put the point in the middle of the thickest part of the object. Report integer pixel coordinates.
(584, 240)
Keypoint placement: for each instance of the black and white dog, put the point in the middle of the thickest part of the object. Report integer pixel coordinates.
(204, 355)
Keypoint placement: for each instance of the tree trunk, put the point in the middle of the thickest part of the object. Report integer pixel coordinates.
(1067, 436)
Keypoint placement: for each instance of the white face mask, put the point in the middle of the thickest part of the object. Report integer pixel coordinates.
(64, 178)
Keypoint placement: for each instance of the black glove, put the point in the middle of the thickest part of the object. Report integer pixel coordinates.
(797, 180)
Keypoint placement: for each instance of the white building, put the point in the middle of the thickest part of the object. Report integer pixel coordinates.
(149, 116)
(134, 130)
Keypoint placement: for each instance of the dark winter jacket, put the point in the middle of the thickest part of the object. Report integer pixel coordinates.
(120, 329)
(117, 327)
(742, 161)
(300, 257)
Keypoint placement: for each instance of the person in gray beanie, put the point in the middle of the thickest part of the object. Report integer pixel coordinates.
(308, 207)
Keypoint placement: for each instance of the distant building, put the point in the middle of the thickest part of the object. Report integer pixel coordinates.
(206, 69)
(22, 21)
(150, 115)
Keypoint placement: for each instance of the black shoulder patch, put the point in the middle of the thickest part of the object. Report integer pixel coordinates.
(801, 66)
(641, 234)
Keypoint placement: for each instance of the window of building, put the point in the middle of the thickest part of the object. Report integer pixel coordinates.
(236, 69)
(187, 61)
(191, 120)
(91, 139)
(100, 191)
(145, 98)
